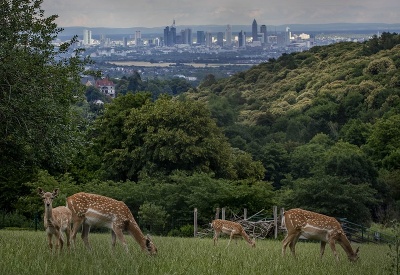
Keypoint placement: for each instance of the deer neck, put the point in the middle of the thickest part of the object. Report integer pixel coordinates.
(135, 231)
(246, 237)
(48, 215)
(345, 244)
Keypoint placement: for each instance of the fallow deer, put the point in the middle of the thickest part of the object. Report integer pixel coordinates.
(315, 226)
(56, 220)
(96, 210)
(233, 229)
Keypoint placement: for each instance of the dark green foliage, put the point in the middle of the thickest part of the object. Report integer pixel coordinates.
(157, 138)
(332, 196)
(156, 87)
(385, 42)
(38, 86)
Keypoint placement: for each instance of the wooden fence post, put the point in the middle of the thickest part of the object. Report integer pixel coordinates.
(245, 214)
(275, 210)
(195, 222)
(223, 213)
(217, 213)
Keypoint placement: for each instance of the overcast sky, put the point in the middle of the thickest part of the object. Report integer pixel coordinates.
(159, 13)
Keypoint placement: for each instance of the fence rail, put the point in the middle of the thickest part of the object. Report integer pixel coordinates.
(361, 234)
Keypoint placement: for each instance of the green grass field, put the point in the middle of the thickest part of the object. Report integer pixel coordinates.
(26, 252)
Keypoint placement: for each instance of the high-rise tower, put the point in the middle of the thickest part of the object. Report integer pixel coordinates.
(242, 39)
(254, 30)
(201, 38)
(170, 35)
(263, 30)
(87, 37)
(228, 35)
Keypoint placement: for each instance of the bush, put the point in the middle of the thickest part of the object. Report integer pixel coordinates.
(183, 231)
(15, 219)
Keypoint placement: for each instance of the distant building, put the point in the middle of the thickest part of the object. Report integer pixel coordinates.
(254, 30)
(201, 38)
(138, 38)
(170, 35)
(220, 39)
(87, 37)
(228, 35)
(209, 39)
(263, 30)
(242, 39)
(288, 36)
(187, 37)
(106, 86)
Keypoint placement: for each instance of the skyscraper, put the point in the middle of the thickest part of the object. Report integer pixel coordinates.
(263, 30)
(242, 39)
(220, 39)
(208, 39)
(138, 38)
(228, 35)
(288, 35)
(254, 30)
(170, 35)
(187, 36)
(87, 37)
(201, 38)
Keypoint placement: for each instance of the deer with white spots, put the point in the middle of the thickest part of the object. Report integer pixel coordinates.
(315, 226)
(96, 210)
(233, 229)
(56, 220)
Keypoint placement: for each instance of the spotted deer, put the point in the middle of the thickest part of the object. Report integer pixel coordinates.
(56, 220)
(96, 210)
(315, 226)
(233, 229)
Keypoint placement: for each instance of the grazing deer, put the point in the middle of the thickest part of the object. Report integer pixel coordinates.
(318, 227)
(96, 210)
(56, 220)
(233, 229)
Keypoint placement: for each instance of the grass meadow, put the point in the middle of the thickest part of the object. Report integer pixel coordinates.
(26, 252)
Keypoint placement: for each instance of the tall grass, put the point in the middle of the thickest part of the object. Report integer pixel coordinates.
(26, 252)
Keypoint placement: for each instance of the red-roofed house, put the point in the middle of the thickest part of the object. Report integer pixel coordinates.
(106, 86)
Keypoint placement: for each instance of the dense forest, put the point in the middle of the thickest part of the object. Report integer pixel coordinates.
(317, 129)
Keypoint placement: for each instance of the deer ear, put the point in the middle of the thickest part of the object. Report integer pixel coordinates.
(40, 191)
(55, 192)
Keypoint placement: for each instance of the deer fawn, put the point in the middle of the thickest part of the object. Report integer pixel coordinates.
(96, 210)
(233, 229)
(56, 220)
(318, 227)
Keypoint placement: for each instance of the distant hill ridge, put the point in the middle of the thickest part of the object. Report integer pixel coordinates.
(331, 27)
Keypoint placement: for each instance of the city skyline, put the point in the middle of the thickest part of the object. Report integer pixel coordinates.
(156, 13)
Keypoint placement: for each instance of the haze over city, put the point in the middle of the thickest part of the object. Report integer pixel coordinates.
(157, 13)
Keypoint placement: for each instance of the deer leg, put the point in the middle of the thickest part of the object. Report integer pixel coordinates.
(293, 243)
(284, 244)
(216, 235)
(121, 237)
(333, 247)
(322, 250)
(230, 237)
(113, 238)
(85, 235)
(287, 241)
(68, 235)
(60, 242)
(77, 223)
(50, 241)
